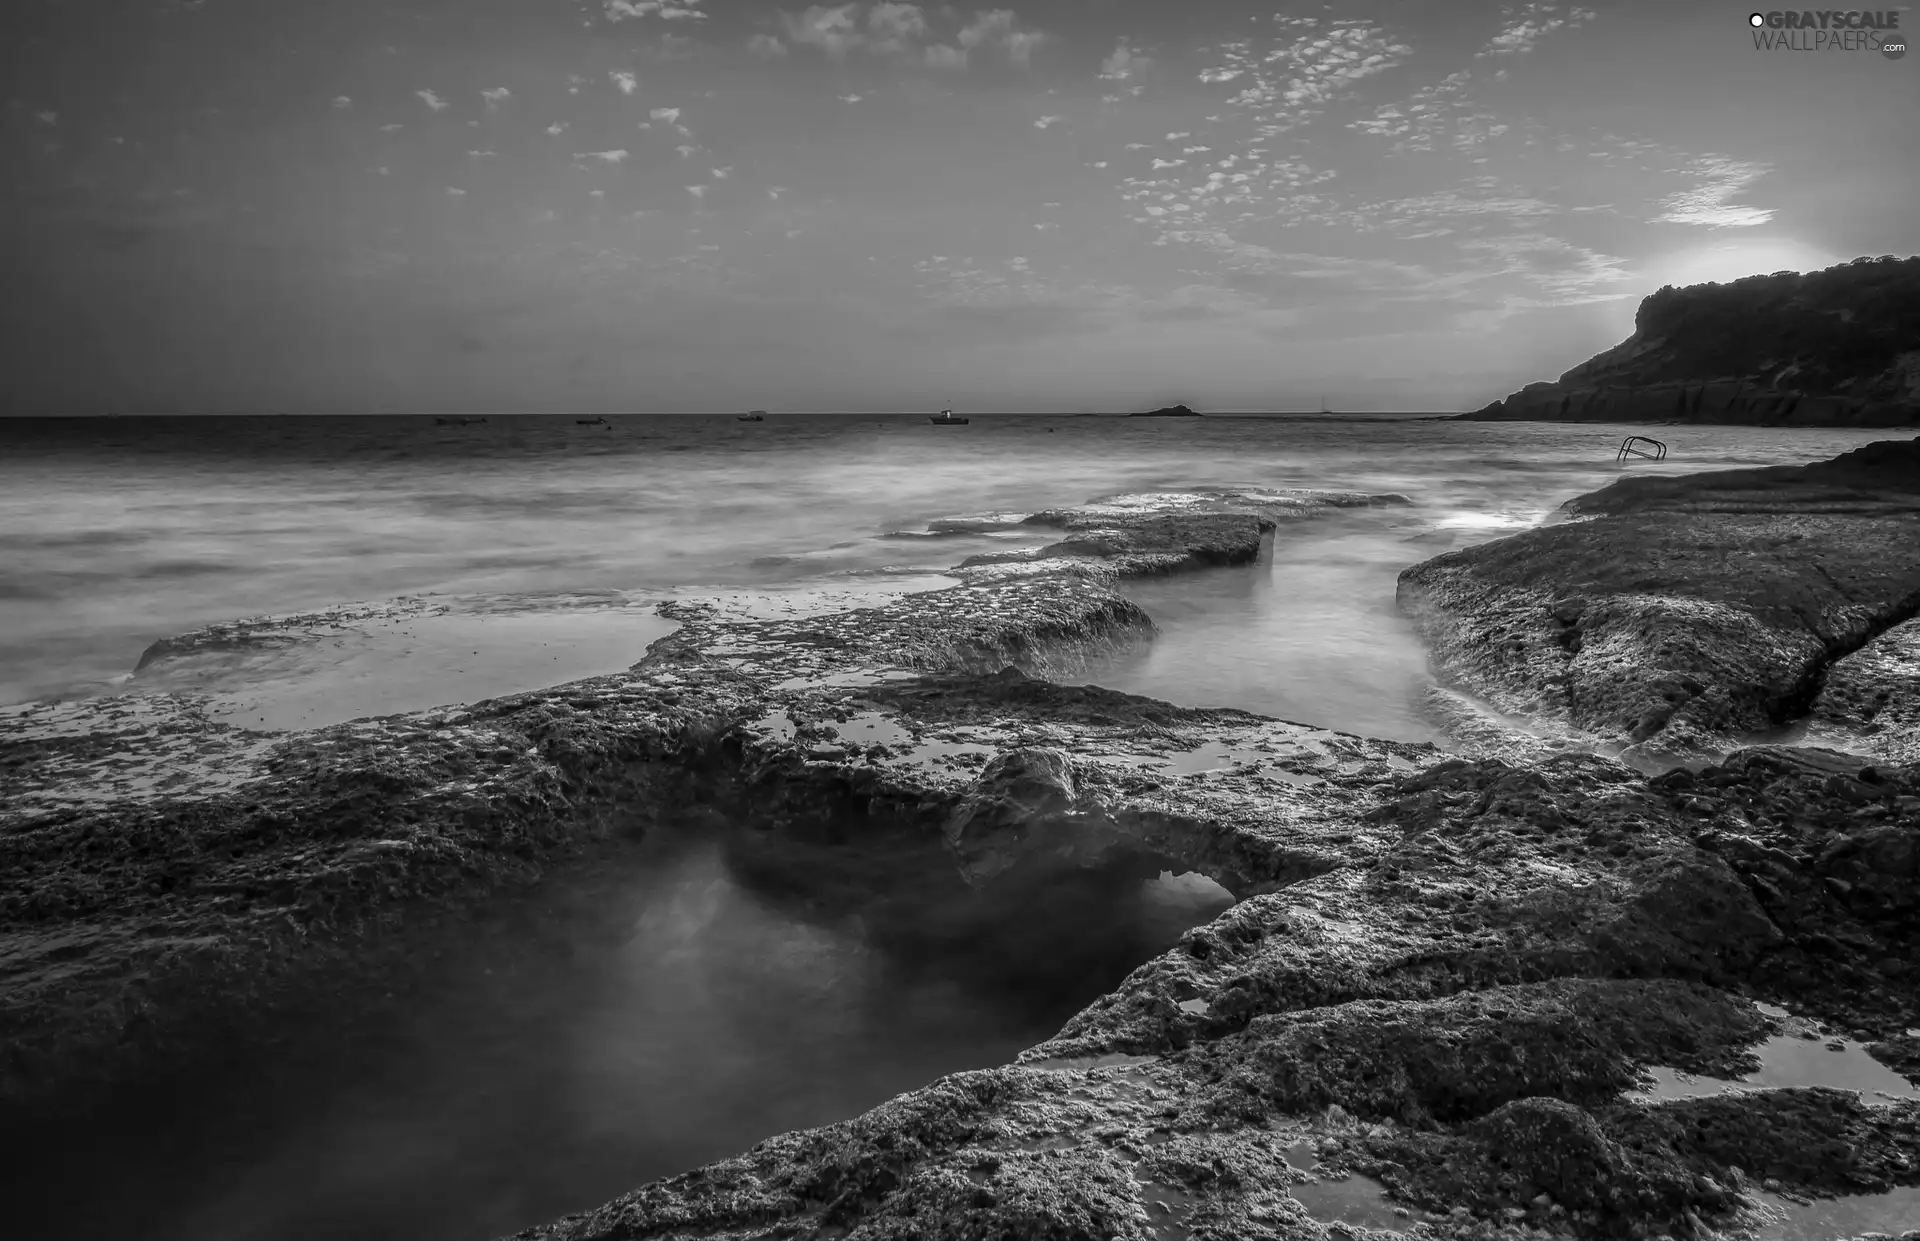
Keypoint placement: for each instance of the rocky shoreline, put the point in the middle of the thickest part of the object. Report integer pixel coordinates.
(1432, 1009)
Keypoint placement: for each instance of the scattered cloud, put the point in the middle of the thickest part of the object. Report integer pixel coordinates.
(557, 128)
(894, 27)
(433, 101)
(1000, 27)
(1525, 29)
(390, 126)
(1563, 272)
(1718, 179)
(1122, 67)
(698, 191)
(721, 174)
(481, 154)
(833, 30)
(625, 80)
(906, 31)
(342, 101)
(456, 192)
(666, 10)
(616, 156)
(851, 98)
(1047, 121)
(496, 95)
(670, 115)
(1123, 63)
(766, 47)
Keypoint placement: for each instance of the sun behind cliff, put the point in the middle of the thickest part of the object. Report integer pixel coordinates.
(1727, 261)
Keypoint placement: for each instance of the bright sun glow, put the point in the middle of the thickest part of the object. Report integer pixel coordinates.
(1730, 260)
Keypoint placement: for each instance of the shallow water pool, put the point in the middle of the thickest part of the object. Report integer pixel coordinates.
(651, 1013)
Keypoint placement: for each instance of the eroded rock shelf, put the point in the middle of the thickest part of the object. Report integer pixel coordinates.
(1435, 1008)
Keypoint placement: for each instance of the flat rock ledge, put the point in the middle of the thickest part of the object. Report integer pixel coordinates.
(1676, 617)
(1433, 1010)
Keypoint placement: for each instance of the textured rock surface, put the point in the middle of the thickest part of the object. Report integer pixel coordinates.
(160, 869)
(1447, 974)
(1839, 347)
(1686, 612)
(1461, 1008)
(1873, 695)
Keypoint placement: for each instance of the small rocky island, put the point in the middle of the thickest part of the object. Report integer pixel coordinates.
(1832, 348)
(1454, 997)
(1170, 411)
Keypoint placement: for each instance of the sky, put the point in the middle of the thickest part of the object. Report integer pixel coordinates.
(349, 206)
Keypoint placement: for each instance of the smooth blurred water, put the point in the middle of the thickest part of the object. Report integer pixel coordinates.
(632, 1019)
(116, 532)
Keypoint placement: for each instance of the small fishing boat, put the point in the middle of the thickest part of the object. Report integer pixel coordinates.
(753, 415)
(589, 422)
(945, 418)
(457, 422)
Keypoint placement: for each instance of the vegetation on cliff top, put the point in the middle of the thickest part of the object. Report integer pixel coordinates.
(1831, 326)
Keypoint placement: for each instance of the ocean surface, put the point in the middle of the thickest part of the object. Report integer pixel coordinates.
(117, 532)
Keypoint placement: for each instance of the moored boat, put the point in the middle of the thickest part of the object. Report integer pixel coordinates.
(945, 418)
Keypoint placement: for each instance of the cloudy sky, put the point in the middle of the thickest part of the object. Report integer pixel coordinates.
(704, 205)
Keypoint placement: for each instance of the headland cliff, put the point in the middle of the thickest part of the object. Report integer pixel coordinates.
(1832, 348)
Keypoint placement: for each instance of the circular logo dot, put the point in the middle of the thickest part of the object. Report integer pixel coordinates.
(1758, 19)
(1894, 49)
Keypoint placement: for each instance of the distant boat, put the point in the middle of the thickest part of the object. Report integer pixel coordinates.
(1323, 406)
(753, 415)
(457, 422)
(1171, 411)
(945, 418)
(589, 422)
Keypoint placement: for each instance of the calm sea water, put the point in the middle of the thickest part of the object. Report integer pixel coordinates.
(115, 532)
(632, 1019)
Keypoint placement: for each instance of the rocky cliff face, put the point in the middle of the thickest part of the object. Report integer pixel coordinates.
(1839, 347)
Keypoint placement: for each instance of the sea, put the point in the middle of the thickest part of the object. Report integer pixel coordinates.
(661, 1007)
(116, 532)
